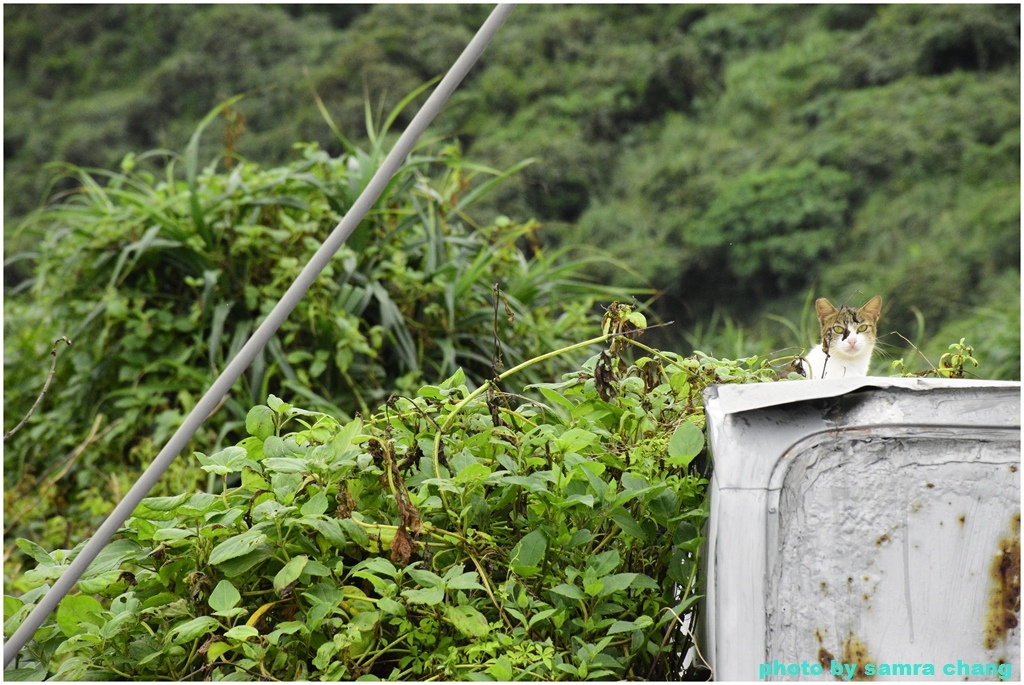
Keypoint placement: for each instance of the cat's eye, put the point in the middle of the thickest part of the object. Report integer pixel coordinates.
(838, 329)
(861, 328)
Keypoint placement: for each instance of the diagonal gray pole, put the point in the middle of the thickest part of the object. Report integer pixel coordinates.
(259, 338)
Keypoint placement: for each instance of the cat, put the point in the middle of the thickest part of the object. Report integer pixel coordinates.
(847, 341)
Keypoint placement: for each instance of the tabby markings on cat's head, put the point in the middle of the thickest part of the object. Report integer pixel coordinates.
(848, 332)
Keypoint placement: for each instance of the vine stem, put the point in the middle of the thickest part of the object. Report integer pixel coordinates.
(46, 386)
(487, 587)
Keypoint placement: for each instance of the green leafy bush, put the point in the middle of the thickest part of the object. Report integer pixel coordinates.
(158, 280)
(455, 534)
(776, 224)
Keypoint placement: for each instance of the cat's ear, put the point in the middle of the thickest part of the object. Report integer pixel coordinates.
(873, 307)
(824, 308)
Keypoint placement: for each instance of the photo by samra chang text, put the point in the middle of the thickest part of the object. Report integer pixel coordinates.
(848, 671)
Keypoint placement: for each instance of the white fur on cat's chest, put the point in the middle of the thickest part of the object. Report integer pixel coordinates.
(840, 363)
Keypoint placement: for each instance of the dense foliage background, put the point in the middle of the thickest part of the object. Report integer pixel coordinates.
(739, 158)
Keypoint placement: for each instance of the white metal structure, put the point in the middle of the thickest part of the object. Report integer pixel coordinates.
(866, 524)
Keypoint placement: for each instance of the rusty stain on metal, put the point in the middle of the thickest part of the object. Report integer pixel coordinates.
(929, 485)
(882, 540)
(856, 652)
(961, 518)
(825, 657)
(1004, 597)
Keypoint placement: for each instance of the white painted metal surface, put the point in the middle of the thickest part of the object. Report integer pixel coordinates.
(870, 525)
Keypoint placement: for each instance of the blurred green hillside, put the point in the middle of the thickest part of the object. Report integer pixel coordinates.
(742, 159)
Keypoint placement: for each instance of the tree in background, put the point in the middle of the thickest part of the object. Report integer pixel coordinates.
(647, 124)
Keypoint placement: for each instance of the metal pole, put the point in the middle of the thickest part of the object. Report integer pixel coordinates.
(263, 333)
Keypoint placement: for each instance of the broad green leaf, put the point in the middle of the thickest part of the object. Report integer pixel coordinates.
(645, 582)
(285, 485)
(455, 579)
(239, 565)
(78, 642)
(593, 471)
(532, 482)
(290, 573)
(557, 398)
(528, 554)
(343, 440)
(455, 380)
(621, 627)
(627, 523)
(26, 674)
(225, 596)
(316, 505)
(160, 599)
(472, 473)
(541, 616)
(108, 583)
(241, 633)
(277, 404)
(603, 564)
(285, 464)
(228, 460)
(172, 534)
(390, 606)
(285, 628)
(431, 392)
(315, 568)
(569, 591)
(259, 422)
(120, 623)
(216, 651)
(686, 442)
(430, 596)
(615, 583)
(32, 549)
(501, 669)
(574, 440)
(325, 653)
(237, 546)
(467, 620)
(273, 446)
(194, 629)
(633, 483)
(425, 578)
(251, 480)
(663, 505)
(378, 565)
(355, 532)
(113, 555)
(164, 503)
(585, 500)
(202, 502)
(11, 606)
(74, 610)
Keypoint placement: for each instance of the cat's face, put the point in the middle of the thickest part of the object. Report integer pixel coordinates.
(847, 332)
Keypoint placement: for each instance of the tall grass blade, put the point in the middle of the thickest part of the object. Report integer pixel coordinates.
(192, 169)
